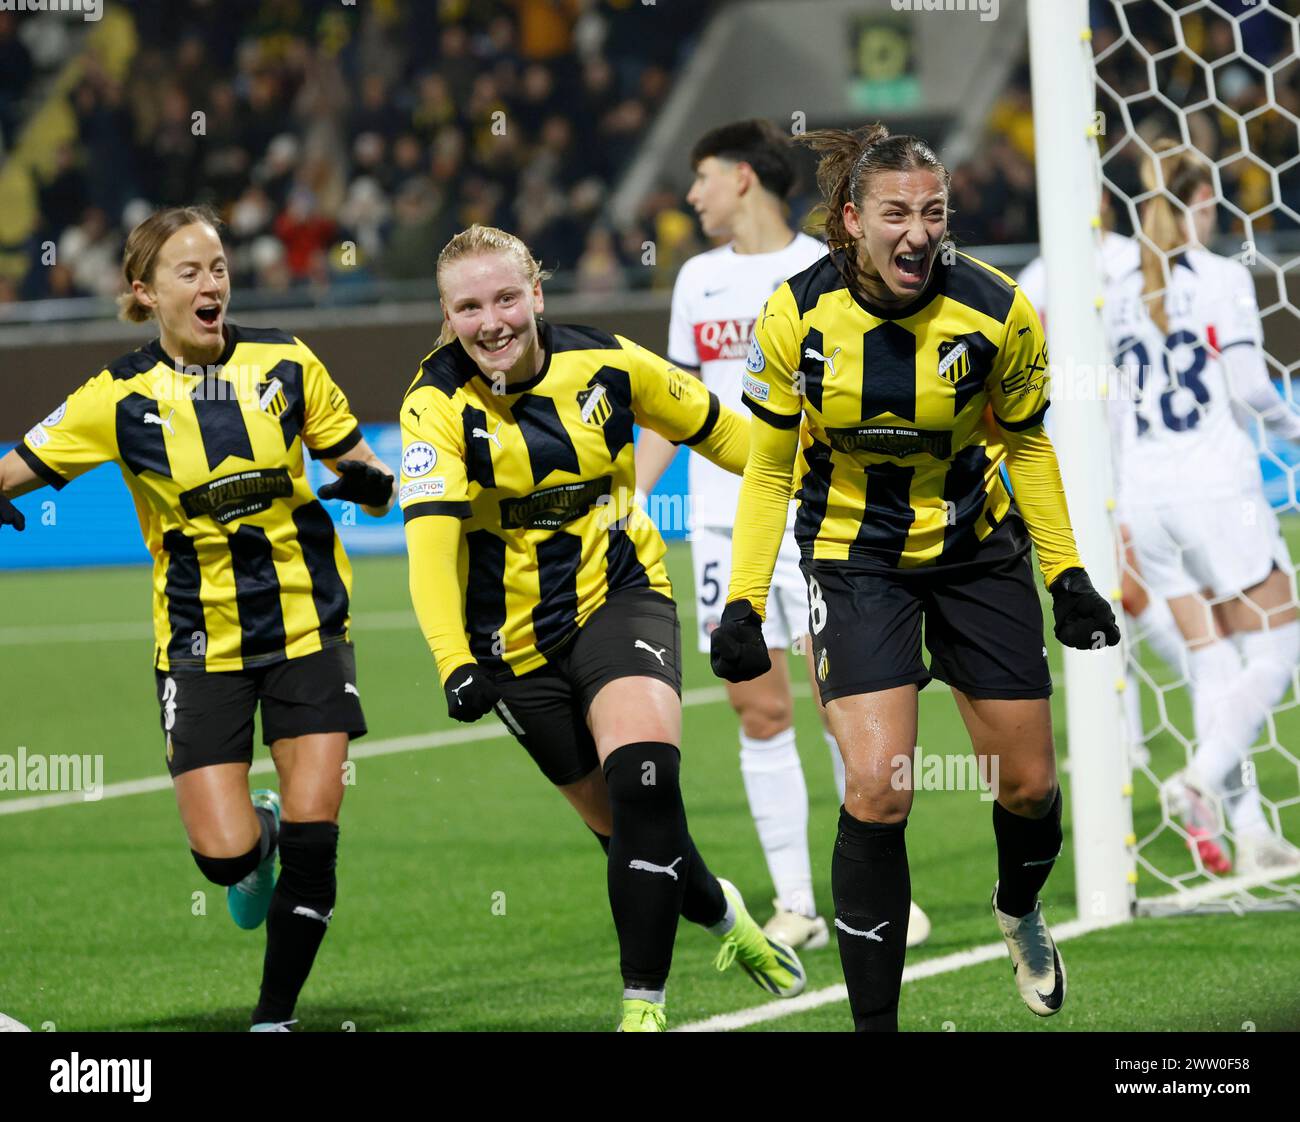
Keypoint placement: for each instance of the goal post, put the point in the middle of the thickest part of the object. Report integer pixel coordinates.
(1223, 84)
(1069, 232)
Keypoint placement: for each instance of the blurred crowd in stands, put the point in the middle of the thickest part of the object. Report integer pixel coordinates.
(343, 143)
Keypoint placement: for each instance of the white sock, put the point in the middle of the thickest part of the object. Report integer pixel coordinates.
(837, 762)
(1245, 806)
(1215, 668)
(1133, 709)
(1270, 659)
(1156, 627)
(778, 801)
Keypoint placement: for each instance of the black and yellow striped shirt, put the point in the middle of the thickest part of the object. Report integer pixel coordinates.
(248, 570)
(905, 417)
(542, 477)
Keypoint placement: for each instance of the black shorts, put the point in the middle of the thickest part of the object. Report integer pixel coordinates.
(207, 716)
(983, 628)
(634, 633)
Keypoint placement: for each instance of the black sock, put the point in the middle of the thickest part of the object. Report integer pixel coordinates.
(649, 859)
(228, 870)
(872, 888)
(270, 833)
(1027, 850)
(301, 909)
(702, 902)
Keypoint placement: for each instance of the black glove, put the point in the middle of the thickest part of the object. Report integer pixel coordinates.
(10, 515)
(470, 693)
(359, 483)
(1083, 618)
(738, 650)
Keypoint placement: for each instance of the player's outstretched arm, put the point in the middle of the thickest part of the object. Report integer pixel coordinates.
(1084, 619)
(16, 478)
(738, 651)
(433, 544)
(362, 478)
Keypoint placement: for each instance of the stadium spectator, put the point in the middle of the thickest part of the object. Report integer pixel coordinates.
(16, 71)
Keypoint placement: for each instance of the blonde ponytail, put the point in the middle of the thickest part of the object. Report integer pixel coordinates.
(1175, 173)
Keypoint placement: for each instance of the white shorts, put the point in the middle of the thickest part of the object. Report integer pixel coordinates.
(787, 600)
(1225, 545)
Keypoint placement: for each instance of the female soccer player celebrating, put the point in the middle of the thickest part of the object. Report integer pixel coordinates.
(517, 483)
(1187, 326)
(208, 424)
(891, 348)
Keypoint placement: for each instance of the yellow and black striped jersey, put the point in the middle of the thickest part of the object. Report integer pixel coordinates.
(898, 464)
(248, 570)
(543, 476)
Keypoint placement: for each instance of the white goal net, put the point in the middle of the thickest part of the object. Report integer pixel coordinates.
(1222, 80)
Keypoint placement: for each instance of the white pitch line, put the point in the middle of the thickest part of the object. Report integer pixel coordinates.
(832, 995)
(493, 730)
(701, 695)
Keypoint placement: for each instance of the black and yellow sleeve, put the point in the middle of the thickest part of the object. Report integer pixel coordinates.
(329, 430)
(79, 435)
(433, 482)
(678, 406)
(1019, 389)
(771, 394)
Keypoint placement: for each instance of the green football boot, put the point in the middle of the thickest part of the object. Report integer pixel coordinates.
(643, 1016)
(250, 899)
(770, 962)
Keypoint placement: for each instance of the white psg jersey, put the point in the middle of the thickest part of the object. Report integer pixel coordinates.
(1118, 255)
(1179, 440)
(716, 299)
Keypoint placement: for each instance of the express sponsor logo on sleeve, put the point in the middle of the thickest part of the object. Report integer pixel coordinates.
(55, 417)
(418, 459)
(758, 391)
(426, 489)
(757, 360)
(37, 436)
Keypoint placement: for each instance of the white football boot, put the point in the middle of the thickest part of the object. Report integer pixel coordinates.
(801, 932)
(1188, 797)
(918, 926)
(1035, 961)
(1266, 853)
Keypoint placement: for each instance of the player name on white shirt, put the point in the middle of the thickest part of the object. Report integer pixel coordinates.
(1179, 439)
(716, 300)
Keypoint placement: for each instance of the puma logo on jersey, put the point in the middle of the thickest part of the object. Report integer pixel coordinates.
(154, 419)
(651, 867)
(659, 653)
(348, 687)
(810, 352)
(312, 913)
(492, 436)
(864, 934)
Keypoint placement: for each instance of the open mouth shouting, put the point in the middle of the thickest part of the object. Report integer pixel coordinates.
(912, 269)
(209, 316)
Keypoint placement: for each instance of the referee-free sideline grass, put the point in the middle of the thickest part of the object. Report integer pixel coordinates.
(472, 898)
